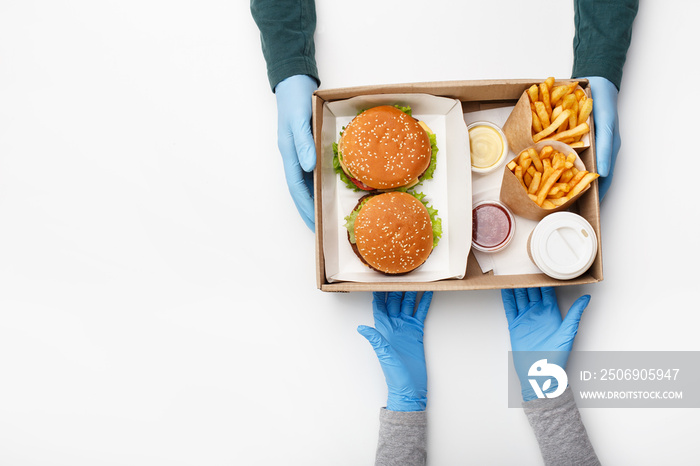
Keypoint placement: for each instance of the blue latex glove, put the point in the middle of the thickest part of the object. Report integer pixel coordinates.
(607, 129)
(536, 325)
(397, 339)
(296, 142)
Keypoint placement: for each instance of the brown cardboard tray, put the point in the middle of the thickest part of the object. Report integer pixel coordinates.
(474, 95)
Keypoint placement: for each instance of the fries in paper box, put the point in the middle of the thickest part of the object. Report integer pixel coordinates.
(550, 111)
(544, 178)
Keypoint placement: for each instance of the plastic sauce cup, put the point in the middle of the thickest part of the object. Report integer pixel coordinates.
(488, 146)
(563, 245)
(493, 226)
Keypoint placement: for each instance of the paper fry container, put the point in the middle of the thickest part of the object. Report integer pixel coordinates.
(514, 195)
(518, 127)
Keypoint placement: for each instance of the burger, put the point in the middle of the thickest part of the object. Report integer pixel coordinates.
(385, 148)
(394, 232)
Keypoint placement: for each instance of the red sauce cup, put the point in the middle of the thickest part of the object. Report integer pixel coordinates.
(493, 226)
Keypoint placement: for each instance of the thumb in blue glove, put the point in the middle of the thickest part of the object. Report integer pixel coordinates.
(538, 331)
(397, 339)
(296, 142)
(607, 129)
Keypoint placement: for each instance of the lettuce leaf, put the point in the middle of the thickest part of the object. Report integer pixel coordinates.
(407, 109)
(339, 170)
(433, 158)
(350, 219)
(434, 219)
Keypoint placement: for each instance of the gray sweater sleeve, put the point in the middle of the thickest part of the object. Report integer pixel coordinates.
(556, 422)
(402, 438)
(560, 431)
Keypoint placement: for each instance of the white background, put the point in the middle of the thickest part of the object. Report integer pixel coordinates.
(157, 295)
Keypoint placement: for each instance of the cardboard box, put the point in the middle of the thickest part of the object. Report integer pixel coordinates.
(474, 96)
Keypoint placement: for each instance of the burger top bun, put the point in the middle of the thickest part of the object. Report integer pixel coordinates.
(393, 233)
(384, 148)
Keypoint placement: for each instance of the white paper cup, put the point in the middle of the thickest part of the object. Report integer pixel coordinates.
(563, 245)
(488, 146)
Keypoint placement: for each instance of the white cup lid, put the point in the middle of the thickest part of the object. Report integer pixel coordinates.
(563, 245)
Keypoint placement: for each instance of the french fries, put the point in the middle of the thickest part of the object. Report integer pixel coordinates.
(559, 113)
(549, 176)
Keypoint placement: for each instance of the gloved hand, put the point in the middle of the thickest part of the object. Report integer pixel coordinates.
(397, 339)
(296, 142)
(536, 325)
(607, 130)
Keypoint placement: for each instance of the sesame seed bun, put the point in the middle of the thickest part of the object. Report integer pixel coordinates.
(384, 148)
(393, 233)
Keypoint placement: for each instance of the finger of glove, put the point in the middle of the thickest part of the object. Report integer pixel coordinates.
(617, 142)
(521, 299)
(604, 183)
(509, 304)
(604, 95)
(309, 181)
(301, 195)
(294, 115)
(304, 145)
(379, 298)
(605, 129)
(408, 304)
(423, 306)
(379, 306)
(304, 203)
(549, 297)
(569, 325)
(604, 146)
(381, 347)
(534, 294)
(604, 186)
(393, 303)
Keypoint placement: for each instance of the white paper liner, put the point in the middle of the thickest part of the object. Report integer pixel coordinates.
(449, 191)
(513, 259)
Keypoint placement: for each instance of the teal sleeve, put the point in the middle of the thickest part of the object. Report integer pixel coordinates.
(287, 37)
(603, 35)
